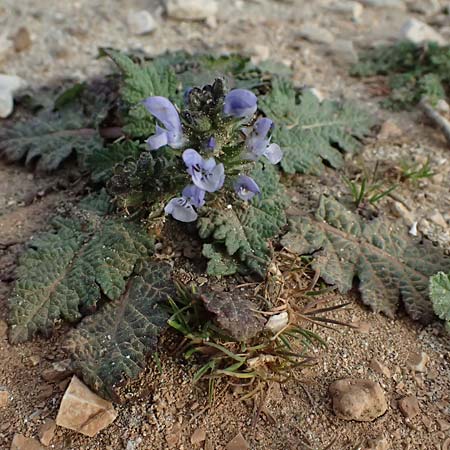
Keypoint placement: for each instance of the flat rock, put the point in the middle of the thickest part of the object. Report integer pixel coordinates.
(4, 398)
(351, 9)
(21, 442)
(438, 219)
(409, 406)
(198, 436)
(397, 4)
(316, 34)
(84, 411)
(357, 399)
(9, 84)
(379, 368)
(58, 371)
(277, 322)
(378, 443)
(238, 443)
(418, 32)
(47, 432)
(191, 9)
(389, 129)
(343, 50)
(141, 22)
(417, 361)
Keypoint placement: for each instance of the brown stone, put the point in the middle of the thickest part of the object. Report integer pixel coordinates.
(389, 129)
(378, 443)
(357, 399)
(198, 436)
(379, 368)
(409, 406)
(58, 371)
(443, 424)
(22, 40)
(418, 361)
(4, 398)
(174, 435)
(83, 411)
(20, 442)
(47, 431)
(237, 443)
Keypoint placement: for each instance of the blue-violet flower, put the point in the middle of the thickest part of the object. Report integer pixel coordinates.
(166, 113)
(258, 144)
(240, 103)
(182, 208)
(206, 173)
(246, 188)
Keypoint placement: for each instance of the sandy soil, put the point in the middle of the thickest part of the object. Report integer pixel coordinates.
(167, 408)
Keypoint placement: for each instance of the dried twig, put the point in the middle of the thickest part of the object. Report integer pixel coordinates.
(441, 122)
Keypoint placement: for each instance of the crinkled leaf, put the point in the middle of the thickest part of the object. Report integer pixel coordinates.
(311, 132)
(139, 82)
(111, 346)
(102, 162)
(49, 139)
(235, 315)
(440, 295)
(244, 230)
(219, 264)
(388, 264)
(65, 273)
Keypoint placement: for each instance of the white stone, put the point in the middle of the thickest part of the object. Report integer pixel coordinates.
(84, 411)
(260, 53)
(141, 22)
(442, 106)
(314, 91)
(397, 4)
(343, 50)
(349, 8)
(11, 83)
(191, 9)
(418, 32)
(277, 322)
(316, 34)
(6, 103)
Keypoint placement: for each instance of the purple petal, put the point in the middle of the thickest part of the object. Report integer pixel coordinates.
(263, 126)
(195, 195)
(192, 158)
(211, 145)
(180, 209)
(246, 188)
(274, 153)
(240, 103)
(164, 110)
(210, 181)
(159, 139)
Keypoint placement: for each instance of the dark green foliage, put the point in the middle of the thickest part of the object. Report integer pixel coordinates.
(66, 272)
(139, 82)
(387, 262)
(440, 296)
(244, 230)
(66, 126)
(111, 346)
(219, 264)
(414, 71)
(235, 315)
(311, 132)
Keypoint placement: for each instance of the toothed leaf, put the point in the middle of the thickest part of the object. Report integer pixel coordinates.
(110, 347)
(388, 264)
(311, 132)
(65, 272)
(219, 264)
(244, 230)
(440, 295)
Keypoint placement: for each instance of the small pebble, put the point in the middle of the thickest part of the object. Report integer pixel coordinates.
(141, 22)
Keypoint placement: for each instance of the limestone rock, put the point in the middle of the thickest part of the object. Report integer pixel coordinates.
(237, 443)
(4, 398)
(378, 367)
(6, 103)
(47, 431)
(349, 8)
(83, 411)
(409, 406)
(191, 9)
(20, 442)
(316, 34)
(141, 22)
(343, 50)
(396, 4)
(9, 84)
(357, 399)
(418, 361)
(198, 436)
(418, 32)
(277, 322)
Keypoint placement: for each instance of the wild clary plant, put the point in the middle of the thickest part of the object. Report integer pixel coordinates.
(213, 144)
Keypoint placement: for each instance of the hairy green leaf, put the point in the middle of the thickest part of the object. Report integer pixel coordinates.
(235, 315)
(139, 82)
(244, 230)
(111, 346)
(66, 272)
(440, 295)
(311, 132)
(219, 264)
(49, 139)
(388, 264)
